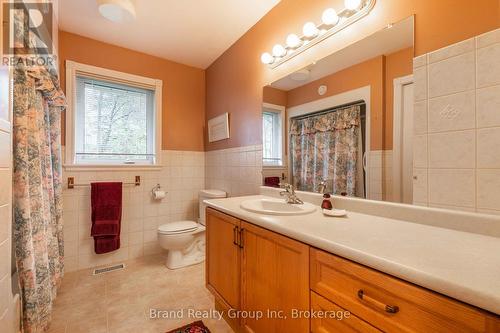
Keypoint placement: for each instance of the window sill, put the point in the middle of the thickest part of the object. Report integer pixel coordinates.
(273, 166)
(117, 167)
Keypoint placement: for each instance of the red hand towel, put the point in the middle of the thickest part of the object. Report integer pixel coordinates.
(106, 202)
(272, 181)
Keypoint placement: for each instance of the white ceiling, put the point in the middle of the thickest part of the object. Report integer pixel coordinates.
(383, 42)
(192, 32)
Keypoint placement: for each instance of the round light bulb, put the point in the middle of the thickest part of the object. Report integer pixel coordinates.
(293, 41)
(352, 4)
(279, 50)
(267, 58)
(310, 30)
(330, 17)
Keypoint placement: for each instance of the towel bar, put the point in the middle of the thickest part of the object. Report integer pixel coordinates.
(72, 185)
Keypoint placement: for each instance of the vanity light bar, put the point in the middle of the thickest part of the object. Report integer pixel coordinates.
(332, 22)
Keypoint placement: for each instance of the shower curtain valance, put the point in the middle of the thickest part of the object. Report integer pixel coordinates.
(335, 120)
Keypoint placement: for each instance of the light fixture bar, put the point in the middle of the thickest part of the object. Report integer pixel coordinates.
(346, 17)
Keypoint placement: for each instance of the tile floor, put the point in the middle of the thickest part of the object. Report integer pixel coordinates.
(121, 301)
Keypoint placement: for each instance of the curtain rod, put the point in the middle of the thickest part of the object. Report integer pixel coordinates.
(333, 109)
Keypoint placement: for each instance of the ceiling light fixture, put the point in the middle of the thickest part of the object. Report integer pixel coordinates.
(312, 34)
(117, 10)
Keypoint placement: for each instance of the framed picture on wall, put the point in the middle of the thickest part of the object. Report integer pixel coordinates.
(218, 128)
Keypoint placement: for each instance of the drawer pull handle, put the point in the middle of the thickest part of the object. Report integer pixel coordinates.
(235, 236)
(387, 308)
(242, 237)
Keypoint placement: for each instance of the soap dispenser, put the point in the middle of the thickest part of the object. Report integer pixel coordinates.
(326, 204)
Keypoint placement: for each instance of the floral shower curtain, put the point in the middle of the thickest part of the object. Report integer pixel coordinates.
(37, 187)
(328, 147)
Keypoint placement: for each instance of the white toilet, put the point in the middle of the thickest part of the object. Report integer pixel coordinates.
(185, 240)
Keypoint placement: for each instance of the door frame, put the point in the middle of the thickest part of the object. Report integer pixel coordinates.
(399, 84)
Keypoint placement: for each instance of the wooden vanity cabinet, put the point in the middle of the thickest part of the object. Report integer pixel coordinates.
(256, 270)
(275, 279)
(253, 269)
(391, 304)
(223, 260)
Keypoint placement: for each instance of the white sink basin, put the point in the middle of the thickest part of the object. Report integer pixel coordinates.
(276, 207)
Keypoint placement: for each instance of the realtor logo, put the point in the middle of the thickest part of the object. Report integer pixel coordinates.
(27, 28)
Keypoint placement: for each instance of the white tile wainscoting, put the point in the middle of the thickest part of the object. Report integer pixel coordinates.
(182, 175)
(238, 171)
(380, 172)
(457, 126)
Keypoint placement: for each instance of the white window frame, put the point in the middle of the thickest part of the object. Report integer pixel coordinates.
(281, 110)
(74, 69)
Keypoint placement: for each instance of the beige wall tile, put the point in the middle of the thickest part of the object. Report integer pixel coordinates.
(420, 151)
(5, 186)
(420, 61)
(5, 225)
(452, 50)
(452, 75)
(488, 147)
(452, 150)
(420, 121)
(5, 258)
(488, 65)
(488, 189)
(452, 112)
(6, 293)
(5, 154)
(488, 38)
(420, 185)
(420, 89)
(488, 106)
(454, 187)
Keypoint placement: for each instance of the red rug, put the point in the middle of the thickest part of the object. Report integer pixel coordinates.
(196, 327)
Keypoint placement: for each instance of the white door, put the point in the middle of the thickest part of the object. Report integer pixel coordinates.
(407, 145)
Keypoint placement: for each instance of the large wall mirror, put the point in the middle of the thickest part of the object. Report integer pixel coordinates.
(344, 124)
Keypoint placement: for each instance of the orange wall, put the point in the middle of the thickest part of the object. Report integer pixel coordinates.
(183, 114)
(397, 64)
(235, 79)
(274, 96)
(368, 73)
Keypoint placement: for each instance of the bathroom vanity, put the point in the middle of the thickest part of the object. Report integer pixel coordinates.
(388, 272)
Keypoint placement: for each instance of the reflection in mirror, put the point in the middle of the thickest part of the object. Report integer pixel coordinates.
(329, 126)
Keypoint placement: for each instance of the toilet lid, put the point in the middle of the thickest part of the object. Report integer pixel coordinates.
(177, 227)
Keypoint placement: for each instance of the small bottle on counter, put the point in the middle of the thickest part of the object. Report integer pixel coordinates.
(326, 204)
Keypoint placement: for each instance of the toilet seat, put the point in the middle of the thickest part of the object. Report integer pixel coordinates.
(178, 227)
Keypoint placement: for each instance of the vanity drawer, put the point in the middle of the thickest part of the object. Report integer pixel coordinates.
(351, 324)
(391, 304)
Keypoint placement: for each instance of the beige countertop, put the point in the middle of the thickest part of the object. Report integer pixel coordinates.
(459, 264)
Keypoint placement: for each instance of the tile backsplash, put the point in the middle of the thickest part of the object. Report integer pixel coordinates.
(238, 171)
(182, 175)
(456, 151)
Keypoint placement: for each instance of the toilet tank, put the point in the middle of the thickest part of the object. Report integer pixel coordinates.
(208, 194)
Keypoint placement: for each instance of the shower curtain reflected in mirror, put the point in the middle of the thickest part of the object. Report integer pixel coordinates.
(328, 147)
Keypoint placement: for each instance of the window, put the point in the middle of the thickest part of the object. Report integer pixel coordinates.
(272, 122)
(115, 118)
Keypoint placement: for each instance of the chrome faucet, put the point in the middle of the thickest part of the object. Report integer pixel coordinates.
(291, 197)
(322, 186)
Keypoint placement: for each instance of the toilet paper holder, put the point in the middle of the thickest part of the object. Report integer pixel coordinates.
(156, 188)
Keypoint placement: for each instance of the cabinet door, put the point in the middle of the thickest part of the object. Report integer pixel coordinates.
(223, 258)
(275, 281)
